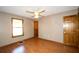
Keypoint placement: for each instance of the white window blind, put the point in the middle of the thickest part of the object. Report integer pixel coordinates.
(17, 27)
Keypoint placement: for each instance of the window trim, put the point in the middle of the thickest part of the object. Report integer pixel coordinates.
(22, 27)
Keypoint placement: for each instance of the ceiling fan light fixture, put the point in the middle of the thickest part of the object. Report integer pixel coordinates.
(36, 15)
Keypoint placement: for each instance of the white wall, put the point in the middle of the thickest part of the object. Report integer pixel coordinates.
(51, 27)
(5, 29)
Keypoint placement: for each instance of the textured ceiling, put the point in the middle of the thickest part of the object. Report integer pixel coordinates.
(21, 10)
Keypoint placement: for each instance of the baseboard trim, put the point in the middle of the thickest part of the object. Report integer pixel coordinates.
(39, 38)
(15, 42)
(59, 43)
(51, 41)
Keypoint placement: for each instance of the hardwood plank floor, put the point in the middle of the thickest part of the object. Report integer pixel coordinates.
(36, 45)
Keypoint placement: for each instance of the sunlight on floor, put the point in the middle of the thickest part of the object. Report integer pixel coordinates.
(19, 49)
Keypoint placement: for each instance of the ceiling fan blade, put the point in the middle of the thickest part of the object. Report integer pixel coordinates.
(42, 11)
(29, 12)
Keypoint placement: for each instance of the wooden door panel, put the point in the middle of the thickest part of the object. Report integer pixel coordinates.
(71, 33)
(35, 28)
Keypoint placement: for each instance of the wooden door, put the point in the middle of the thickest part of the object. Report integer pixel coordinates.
(35, 28)
(71, 30)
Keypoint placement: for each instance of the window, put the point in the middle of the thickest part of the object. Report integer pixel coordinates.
(17, 27)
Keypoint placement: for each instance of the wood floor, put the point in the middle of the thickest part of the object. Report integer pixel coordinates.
(36, 45)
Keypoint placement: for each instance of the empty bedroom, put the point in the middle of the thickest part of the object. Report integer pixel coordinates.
(39, 29)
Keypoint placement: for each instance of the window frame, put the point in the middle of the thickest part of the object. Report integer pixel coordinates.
(22, 27)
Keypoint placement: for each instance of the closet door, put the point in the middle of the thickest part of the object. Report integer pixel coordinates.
(71, 31)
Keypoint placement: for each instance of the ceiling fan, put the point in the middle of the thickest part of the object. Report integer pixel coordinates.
(36, 14)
